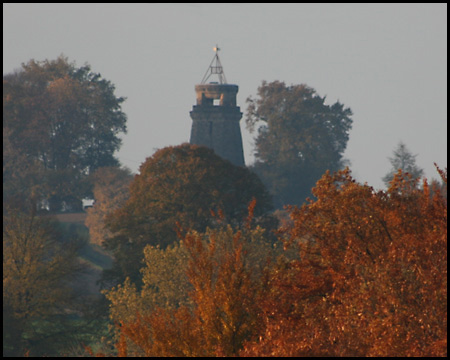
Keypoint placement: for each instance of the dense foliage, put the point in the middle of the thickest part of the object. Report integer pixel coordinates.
(370, 279)
(39, 265)
(200, 298)
(60, 123)
(178, 188)
(299, 137)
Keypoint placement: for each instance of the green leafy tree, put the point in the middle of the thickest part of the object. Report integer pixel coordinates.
(299, 137)
(39, 264)
(65, 118)
(404, 160)
(178, 185)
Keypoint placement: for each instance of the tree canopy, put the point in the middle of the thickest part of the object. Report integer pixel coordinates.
(369, 279)
(210, 287)
(63, 120)
(179, 187)
(404, 160)
(372, 274)
(299, 137)
(39, 265)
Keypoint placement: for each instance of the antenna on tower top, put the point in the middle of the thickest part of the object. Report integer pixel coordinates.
(215, 68)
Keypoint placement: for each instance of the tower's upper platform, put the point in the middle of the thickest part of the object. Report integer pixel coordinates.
(217, 93)
(225, 93)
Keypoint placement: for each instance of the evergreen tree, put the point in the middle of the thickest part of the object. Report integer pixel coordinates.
(403, 160)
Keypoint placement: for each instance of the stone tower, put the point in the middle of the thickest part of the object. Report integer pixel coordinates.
(215, 118)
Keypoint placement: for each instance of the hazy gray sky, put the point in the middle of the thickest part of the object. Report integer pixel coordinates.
(387, 62)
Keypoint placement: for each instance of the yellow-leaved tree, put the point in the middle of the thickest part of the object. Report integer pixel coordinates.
(199, 298)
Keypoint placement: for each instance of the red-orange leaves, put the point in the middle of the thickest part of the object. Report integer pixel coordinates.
(369, 279)
(372, 275)
(224, 302)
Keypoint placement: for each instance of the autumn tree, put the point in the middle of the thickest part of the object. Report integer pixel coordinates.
(224, 270)
(23, 177)
(178, 187)
(39, 263)
(64, 118)
(404, 160)
(299, 137)
(165, 285)
(372, 274)
(111, 191)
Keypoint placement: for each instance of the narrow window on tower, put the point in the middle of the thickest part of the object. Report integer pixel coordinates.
(210, 129)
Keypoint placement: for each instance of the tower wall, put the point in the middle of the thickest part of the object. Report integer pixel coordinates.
(215, 121)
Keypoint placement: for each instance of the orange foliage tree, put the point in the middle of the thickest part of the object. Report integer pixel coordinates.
(369, 279)
(372, 274)
(225, 275)
(225, 268)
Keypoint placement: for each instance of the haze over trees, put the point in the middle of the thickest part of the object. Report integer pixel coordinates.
(39, 265)
(60, 123)
(403, 159)
(299, 137)
(201, 265)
